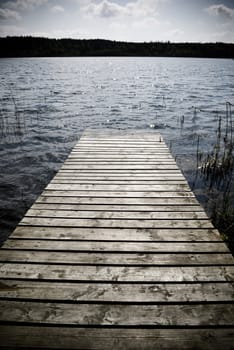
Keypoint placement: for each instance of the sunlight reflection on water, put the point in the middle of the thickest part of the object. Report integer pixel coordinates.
(46, 103)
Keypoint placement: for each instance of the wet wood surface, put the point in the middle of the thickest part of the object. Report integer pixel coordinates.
(116, 253)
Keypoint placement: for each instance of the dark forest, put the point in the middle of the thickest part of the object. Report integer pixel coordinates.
(43, 47)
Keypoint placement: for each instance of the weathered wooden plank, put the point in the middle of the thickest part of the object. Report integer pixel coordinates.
(120, 145)
(124, 194)
(118, 177)
(117, 315)
(117, 239)
(154, 174)
(135, 215)
(58, 198)
(115, 188)
(134, 174)
(162, 161)
(122, 151)
(88, 176)
(111, 138)
(145, 147)
(125, 149)
(118, 293)
(122, 140)
(118, 157)
(114, 147)
(114, 259)
(166, 163)
(119, 141)
(125, 174)
(120, 208)
(79, 338)
(122, 172)
(83, 161)
(121, 166)
(73, 180)
(137, 138)
(120, 223)
(105, 133)
(116, 234)
(114, 246)
(139, 152)
(162, 157)
(101, 273)
(123, 177)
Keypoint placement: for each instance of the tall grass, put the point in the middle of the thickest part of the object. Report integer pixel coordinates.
(217, 166)
(12, 122)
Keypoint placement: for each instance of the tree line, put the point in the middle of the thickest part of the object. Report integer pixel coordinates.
(28, 46)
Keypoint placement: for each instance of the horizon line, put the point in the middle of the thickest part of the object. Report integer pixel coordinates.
(117, 41)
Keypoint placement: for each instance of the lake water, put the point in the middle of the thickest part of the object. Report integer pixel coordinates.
(46, 103)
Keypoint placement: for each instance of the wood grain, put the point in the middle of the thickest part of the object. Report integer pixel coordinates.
(116, 253)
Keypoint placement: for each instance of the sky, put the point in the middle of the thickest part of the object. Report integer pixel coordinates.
(122, 20)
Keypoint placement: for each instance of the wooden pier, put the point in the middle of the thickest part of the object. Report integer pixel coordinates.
(116, 253)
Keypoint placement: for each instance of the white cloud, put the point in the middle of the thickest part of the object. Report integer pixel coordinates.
(175, 32)
(221, 10)
(57, 9)
(11, 30)
(108, 8)
(144, 8)
(24, 4)
(224, 36)
(104, 9)
(6, 14)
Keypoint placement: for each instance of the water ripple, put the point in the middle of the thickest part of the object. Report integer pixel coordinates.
(47, 103)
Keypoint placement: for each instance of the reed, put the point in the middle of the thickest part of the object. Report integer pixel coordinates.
(222, 217)
(12, 121)
(217, 167)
